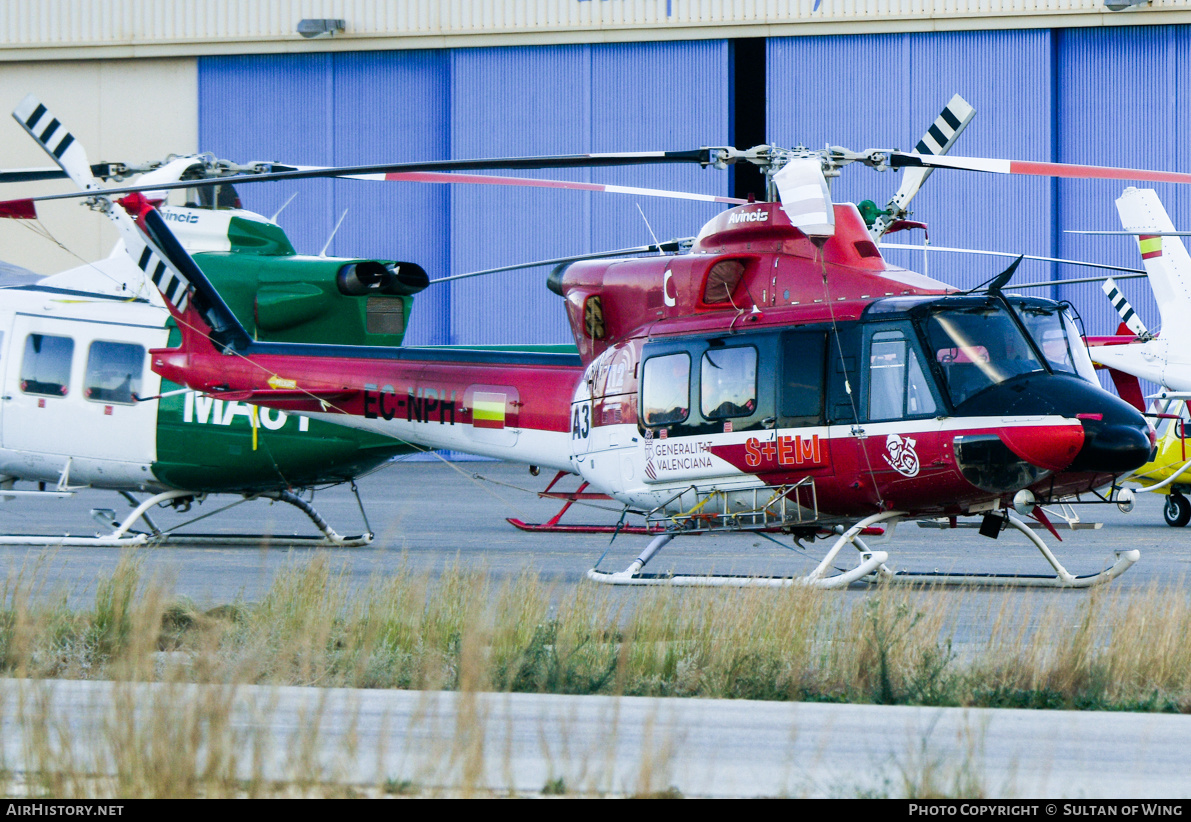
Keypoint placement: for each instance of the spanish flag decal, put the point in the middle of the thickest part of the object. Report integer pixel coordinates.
(1150, 246)
(487, 410)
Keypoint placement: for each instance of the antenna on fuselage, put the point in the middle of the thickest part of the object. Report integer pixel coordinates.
(323, 253)
(998, 282)
(648, 227)
(277, 213)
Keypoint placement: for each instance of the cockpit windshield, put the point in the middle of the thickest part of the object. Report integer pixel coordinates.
(978, 347)
(1056, 335)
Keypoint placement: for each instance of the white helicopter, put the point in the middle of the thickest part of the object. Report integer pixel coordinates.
(1163, 357)
(79, 406)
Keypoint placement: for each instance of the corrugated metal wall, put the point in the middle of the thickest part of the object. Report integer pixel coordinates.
(395, 106)
(883, 91)
(271, 24)
(1098, 96)
(1105, 96)
(1124, 98)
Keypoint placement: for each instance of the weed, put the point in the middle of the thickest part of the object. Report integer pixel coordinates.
(399, 787)
(555, 787)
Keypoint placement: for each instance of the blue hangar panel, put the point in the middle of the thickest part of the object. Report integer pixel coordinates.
(339, 109)
(1096, 96)
(1124, 97)
(411, 105)
(884, 91)
(566, 100)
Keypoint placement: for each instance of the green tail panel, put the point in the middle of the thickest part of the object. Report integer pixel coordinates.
(206, 445)
(296, 299)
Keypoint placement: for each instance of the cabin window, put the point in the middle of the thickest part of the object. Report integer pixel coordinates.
(897, 386)
(803, 357)
(46, 366)
(113, 372)
(666, 389)
(728, 382)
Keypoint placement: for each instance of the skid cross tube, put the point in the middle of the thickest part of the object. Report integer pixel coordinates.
(119, 537)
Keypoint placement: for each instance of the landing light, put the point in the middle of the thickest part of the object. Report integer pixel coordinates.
(1125, 500)
(1024, 502)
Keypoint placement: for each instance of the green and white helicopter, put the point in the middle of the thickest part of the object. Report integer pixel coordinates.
(80, 407)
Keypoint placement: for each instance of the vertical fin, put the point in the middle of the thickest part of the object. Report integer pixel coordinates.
(1128, 388)
(1167, 264)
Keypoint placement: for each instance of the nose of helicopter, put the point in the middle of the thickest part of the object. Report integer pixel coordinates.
(1116, 437)
(1112, 447)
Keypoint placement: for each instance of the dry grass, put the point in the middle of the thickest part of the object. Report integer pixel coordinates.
(463, 632)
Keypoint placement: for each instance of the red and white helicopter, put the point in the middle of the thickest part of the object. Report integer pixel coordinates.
(781, 376)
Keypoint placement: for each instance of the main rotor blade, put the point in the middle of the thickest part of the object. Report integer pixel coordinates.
(1131, 272)
(32, 175)
(902, 159)
(668, 246)
(528, 182)
(1133, 233)
(702, 156)
(1072, 281)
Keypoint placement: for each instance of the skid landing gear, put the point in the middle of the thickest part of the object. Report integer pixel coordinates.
(872, 567)
(870, 563)
(569, 498)
(1062, 578)
(123, 535)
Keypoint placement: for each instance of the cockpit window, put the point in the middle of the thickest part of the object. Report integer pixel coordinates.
(1056, 335)
(977, 348)
(1079, 350)
(1178, 409)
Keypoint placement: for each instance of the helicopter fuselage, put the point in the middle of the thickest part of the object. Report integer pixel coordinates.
(717, 378)
(74, 367)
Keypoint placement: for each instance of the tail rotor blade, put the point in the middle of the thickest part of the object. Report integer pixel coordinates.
(1128, 315)
(56, 140)
(937, 141)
